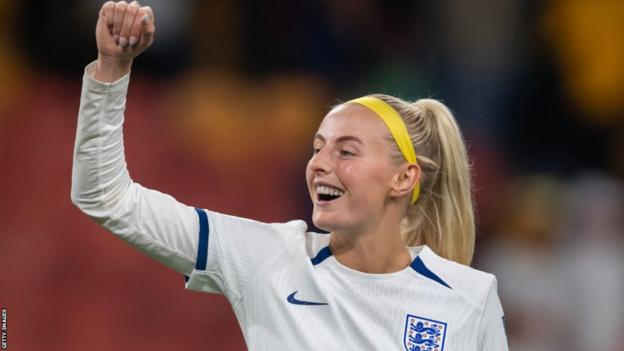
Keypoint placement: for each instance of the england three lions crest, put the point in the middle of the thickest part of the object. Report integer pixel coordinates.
(423, 334)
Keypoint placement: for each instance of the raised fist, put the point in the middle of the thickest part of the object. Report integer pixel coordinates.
(123, 31)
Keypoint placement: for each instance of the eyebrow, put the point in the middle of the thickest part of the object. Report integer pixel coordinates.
(341, 138)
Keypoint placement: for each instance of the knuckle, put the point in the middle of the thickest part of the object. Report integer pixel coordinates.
(120, 6)
(132, 9)
(143, 12)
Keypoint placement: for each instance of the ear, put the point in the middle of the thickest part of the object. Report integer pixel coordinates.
(406, 178)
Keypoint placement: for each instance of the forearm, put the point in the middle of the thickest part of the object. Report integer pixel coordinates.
(153, 222)
(99, 175)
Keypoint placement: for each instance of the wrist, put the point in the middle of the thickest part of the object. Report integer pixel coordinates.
(110, 69)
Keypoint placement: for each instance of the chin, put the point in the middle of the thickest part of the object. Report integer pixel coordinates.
(323, 223)
(326, 223)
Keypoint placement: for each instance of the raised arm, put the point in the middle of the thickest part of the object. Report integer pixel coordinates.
(153, 222)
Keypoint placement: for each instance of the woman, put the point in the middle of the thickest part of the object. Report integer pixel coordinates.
(389, 180)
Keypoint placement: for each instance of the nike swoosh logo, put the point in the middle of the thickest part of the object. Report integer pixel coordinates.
(291, 298)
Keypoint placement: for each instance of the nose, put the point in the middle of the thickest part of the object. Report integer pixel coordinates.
(321, 162)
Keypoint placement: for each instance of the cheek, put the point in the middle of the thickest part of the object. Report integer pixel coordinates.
(308, 173)
(366, 180)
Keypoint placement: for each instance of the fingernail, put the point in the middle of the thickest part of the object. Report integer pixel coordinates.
(132, 40)
(123, 42)
(145, 19)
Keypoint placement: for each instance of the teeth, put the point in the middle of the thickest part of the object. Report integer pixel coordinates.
(325, 190)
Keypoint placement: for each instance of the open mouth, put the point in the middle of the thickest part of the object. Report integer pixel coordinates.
(325, 197)
(326, 193)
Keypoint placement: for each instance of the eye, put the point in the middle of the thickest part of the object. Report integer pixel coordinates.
(346, 153)
(315, 150)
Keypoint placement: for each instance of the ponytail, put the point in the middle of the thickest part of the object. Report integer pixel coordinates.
(443, 216)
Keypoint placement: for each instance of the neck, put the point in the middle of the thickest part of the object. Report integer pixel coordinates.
(373, 251)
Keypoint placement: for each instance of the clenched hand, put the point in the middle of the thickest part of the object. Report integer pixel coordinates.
(123, 31)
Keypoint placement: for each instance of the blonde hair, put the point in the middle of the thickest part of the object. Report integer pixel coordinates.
(443, 216)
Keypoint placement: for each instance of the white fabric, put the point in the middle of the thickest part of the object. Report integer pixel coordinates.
(257, 266)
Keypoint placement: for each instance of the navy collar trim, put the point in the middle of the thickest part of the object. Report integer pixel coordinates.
(419, 266)
(321, 256)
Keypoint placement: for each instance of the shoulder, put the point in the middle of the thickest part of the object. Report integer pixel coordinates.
(472, 284)
(235, 223)
(229, 230)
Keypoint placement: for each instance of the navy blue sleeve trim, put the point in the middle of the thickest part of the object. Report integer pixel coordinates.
(321, 256)
(419, 266)
(202, 247)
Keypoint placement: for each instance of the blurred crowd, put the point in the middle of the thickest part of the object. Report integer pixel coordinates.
(221, 114)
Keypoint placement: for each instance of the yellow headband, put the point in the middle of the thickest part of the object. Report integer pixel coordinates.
(397, 128)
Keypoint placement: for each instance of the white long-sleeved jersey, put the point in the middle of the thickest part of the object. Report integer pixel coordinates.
(287, 290)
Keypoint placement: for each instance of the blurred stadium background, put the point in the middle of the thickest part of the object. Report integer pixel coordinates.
(221, 114)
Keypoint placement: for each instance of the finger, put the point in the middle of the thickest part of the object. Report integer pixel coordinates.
(148, 11)
(108, 14)
(126, 26)
(141, 19)
(120, 9)
(147, 28)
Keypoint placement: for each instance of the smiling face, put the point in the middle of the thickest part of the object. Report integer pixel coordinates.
(351, 173)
